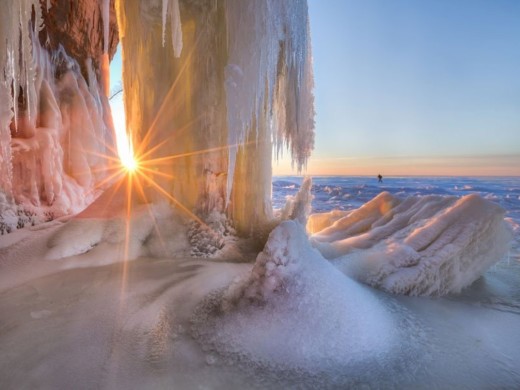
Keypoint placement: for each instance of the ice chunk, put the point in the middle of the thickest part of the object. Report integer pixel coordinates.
(298, 207)
(318, 222)
(430, 245)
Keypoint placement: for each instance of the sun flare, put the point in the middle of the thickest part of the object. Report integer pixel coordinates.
(126, 154)
(125, 147)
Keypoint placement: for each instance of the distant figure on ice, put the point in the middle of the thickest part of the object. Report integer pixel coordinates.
(380, 178)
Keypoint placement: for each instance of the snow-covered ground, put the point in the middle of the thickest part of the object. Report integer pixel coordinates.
(290, 319)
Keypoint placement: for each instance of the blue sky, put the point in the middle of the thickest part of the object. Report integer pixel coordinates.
(415, 87)
(428, 80)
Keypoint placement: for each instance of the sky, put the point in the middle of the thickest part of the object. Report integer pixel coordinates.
(407, 87)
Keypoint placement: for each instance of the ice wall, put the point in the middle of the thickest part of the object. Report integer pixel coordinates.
(53, 131)
(238, 84)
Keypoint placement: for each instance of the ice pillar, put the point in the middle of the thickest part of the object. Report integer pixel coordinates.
(211, 114)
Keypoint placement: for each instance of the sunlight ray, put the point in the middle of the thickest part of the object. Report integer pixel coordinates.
(175, 201)
(194, 153)
(153, 172)
(141, 191)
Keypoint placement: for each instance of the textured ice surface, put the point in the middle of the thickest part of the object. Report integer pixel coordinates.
(298, 207)
(275, 81)
(430, 245)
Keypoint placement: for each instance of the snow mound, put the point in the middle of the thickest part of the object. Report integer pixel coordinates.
(431, 245)
(111, 238)
(259, 317)
(153, 230)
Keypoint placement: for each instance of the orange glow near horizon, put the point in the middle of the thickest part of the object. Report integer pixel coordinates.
(507, 165)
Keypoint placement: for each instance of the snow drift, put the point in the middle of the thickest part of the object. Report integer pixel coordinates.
(430, 245)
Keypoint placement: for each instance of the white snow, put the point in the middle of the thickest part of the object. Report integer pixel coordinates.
(295, 310)
(291, 319)
(106, 234)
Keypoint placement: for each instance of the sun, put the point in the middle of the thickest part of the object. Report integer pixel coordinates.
(125, 148)
(127, 157)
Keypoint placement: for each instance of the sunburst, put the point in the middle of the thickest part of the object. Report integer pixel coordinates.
(135, 166)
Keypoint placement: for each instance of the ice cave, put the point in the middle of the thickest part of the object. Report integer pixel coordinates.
(151, 255)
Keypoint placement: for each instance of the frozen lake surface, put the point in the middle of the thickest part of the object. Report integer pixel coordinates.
(168, 322)
(348, 193)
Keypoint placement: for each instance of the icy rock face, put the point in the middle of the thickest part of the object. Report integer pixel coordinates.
(84, 28)
(238, 83)
(429, 245)
(54, 125)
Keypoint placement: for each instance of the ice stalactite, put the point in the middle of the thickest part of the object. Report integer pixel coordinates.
(241, 85)
(269, 97)
(171, 7)
(53, 125)
(105, 60)
(16, 72)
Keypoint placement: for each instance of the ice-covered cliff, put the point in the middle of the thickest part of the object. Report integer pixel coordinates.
(55, 123)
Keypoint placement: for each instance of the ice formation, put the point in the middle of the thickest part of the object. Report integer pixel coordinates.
(53, 124)
(299, 207)
(430, 245)
(296, 311)
(241, 84)
(171, 7)
(232, 80)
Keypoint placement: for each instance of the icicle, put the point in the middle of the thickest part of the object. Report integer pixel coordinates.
(105, 60)
(171, 7)
(269, 48)
(105, 16)
(176, 28)
(164, 15)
